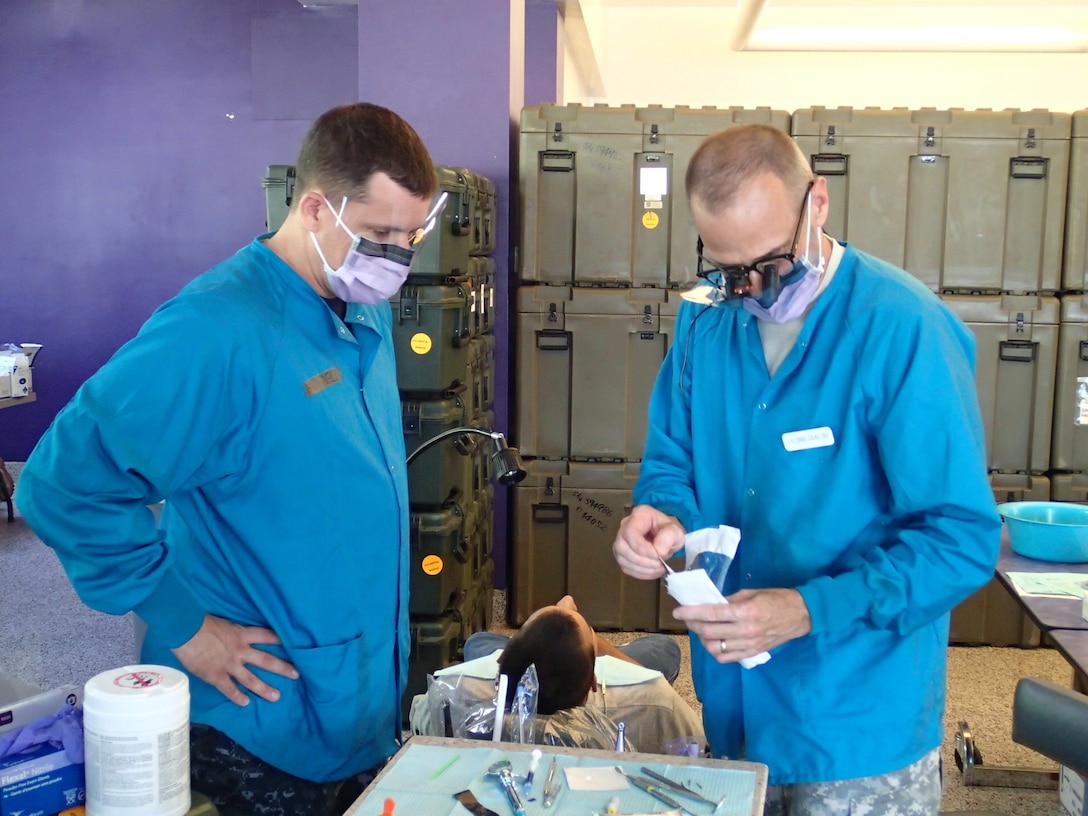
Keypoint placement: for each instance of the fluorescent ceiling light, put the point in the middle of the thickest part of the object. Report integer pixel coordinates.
(898, 25)
(920, 38)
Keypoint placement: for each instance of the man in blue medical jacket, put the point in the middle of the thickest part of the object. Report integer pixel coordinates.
(261, 403)
(823, 402)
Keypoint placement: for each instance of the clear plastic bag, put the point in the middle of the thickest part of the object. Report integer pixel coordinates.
(467, 704)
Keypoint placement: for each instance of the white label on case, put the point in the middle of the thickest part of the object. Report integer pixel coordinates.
(653, 181)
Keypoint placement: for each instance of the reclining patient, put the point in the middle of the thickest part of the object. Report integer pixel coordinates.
(586, 687)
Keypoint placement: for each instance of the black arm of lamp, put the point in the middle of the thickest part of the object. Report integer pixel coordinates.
(506, 461)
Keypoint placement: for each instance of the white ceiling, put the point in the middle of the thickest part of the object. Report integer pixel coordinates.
(873, 25)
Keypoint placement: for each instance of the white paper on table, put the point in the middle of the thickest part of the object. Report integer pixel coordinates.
(693, 587)
(1050, 584)
(604, 778)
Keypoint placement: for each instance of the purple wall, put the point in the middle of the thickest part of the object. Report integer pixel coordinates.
(542, 57)
(134, 137)
(133, 142)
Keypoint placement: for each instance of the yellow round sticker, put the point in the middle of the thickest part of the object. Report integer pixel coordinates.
(650, 220)
(432, 565)
(421, 343)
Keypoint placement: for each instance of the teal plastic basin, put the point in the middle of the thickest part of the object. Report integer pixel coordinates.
(1048, 531)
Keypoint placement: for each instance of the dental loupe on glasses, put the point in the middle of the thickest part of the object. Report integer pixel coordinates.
(735, 282)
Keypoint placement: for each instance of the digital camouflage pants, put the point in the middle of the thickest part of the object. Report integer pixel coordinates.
(911, 791)
(240, 784)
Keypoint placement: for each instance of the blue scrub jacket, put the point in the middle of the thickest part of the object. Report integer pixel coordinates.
(883, 531)
(273, 431)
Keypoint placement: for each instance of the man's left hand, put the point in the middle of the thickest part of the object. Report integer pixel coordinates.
(754, 621)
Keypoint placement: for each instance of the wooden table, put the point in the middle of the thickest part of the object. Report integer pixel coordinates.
(1048, 613)
(424, 775)
(11, 402)
(1073, 644)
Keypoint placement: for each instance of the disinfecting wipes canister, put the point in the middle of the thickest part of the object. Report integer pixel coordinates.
(136, 734)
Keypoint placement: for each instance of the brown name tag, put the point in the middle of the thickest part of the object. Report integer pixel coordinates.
(321, 381)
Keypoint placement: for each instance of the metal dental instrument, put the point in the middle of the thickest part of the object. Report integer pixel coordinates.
(679, 788)
(501, 769)
(549, 790)
(467, 799)
(652, 789)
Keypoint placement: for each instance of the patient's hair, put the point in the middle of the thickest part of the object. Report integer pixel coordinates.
(555, 643)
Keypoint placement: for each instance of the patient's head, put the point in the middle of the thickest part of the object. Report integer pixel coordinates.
(562, 645)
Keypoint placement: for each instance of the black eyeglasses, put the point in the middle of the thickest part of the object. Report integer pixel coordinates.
(733, 281)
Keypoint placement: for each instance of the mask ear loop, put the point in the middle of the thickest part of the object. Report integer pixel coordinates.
(338, 215)
(808, 237)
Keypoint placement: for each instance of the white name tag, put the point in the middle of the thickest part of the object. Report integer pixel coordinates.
(811, 438)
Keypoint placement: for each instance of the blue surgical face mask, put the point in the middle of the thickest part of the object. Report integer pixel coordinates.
(798, 287)
(371, 272)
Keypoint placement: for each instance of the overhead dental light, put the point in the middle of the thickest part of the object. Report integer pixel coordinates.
(506, 463)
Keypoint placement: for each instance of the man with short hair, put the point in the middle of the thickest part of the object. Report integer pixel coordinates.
(586, 685)
(823, 402)
(261, 403)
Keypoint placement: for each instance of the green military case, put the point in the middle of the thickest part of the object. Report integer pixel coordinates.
(1075, 262)
(1069, 487)
(444, 255)
(432, 328)
(481, 365)
(440, 473)
(587, 359)
(991, 616)
(479, 287)
(482, 461)
(966, 201)
(449, 548)
(279, 190)
(602, 191)
(1069, 448)
(481, 281)
(566, 516)
(437, 642)
(441, 559)
(485, 213)
(485, 537)
(1016, 354)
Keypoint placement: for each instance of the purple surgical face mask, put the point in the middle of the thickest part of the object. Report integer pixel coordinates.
(804, 283)
(371, 272)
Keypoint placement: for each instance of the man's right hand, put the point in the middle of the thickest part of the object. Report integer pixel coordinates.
(221, 652)
(645, 537)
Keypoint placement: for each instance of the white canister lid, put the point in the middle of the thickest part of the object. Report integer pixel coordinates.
(136, 692)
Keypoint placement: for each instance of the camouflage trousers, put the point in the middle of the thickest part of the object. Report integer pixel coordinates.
(240, 784)
(911, 791)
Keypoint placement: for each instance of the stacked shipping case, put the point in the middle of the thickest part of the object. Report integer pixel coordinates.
(607, 245)
(987, 208)
(442, 322)
(973, 204)
(443, 318)
(1069, 452)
